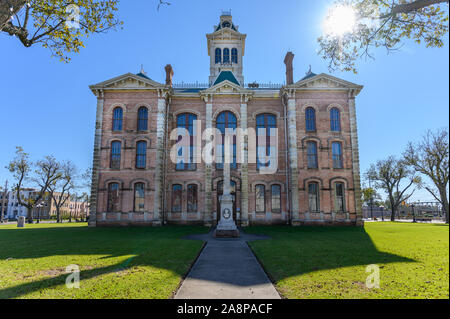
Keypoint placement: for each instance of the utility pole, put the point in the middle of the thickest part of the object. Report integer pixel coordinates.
(5, 193)
(371, 199)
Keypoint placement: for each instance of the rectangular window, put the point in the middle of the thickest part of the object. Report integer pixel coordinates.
(143, 119)
(186, 153)
(177, 198)
(113, 197)
(141, 154)
(266, 125)
(335, 120)
(139, 197)
(339, 198)
(337, 155)
(312, 154)
(276, 198)
(260, 199)
(313, 196)
(192, 199)
(310, 117)
(115, 154)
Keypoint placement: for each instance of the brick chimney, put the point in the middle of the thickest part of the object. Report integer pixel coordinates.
(169, 74)
(289, 69)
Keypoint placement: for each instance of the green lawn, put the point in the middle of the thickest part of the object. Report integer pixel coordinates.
(327, 262)
(114, 262)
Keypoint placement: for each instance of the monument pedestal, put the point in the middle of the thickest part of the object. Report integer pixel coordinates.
(226, 228)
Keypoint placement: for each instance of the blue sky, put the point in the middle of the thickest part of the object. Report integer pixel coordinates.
(47, 108)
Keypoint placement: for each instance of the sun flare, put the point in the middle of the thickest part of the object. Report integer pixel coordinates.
(340, 20)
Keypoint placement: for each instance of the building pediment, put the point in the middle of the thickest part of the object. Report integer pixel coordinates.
(128, 81)
(226, 87)
(325, 81)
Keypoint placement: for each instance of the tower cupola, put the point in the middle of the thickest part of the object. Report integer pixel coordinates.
(226, 48)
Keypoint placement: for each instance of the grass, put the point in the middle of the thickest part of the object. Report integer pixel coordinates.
(304, 262)
(326, 262)
(114, 262)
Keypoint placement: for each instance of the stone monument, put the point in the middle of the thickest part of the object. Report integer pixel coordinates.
(226, 228)
(21, 221)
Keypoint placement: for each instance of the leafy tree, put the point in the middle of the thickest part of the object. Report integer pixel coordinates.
(389, 175)
(42, 173)
(370, 196)
(60, 189)
(382, 23)
(430, 158)
(59, 25)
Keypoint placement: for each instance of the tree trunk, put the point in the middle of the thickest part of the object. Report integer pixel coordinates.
(30, 215)
(444, 201)
(393, 214)
(58, 215)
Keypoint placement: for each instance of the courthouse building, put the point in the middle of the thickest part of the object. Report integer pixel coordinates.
(317, 179)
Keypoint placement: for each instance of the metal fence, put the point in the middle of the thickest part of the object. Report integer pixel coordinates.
(426, 212)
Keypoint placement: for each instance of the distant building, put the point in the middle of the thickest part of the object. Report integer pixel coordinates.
(15, 210)
(4, 205)
(71, 208)
(46, 209)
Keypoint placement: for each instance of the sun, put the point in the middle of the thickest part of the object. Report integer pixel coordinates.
(340, 20)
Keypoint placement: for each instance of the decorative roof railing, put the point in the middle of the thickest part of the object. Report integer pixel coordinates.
(254, 85)
(196, 85)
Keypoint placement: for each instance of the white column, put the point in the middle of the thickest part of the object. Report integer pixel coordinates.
(244, 165)
(208, 169)
(96, 160)
(159, 167)
(293, 158)
(355, 158)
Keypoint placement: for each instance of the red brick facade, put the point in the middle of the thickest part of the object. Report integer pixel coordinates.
(164, 103)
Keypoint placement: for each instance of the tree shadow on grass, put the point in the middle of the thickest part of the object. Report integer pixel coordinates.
(290, 252)
(296, 251)
(156, 247)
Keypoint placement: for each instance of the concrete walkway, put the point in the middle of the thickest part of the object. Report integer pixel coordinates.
(227, 269)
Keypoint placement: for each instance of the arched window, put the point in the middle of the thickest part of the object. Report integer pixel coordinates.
(192, 198)
(312, 154)
(313, 197)
(276, 198)
(260, 196)
(226, 55)
(218, 55)
(143, 119)
(116, 148)
(177, 192)
(335, 120)
(113, 197)
(185, 159)
(337, 155)
(339, 197)
(234, 55)
(265, 125)
(139, 197)
(310, 116)
(225, 120)
(117, 119)
(141, 154)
